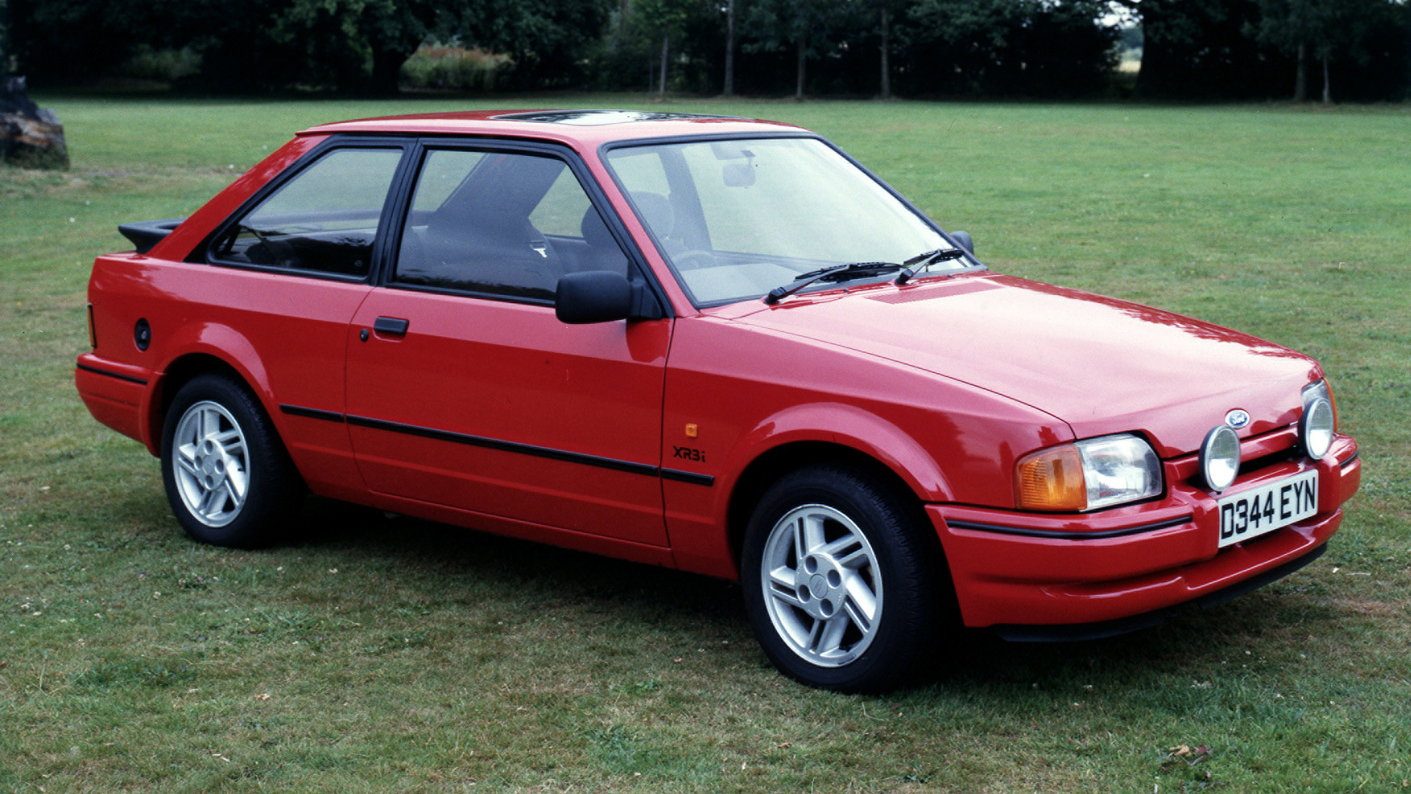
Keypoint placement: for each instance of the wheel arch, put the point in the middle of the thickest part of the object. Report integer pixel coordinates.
(178, 373)
(768, 468)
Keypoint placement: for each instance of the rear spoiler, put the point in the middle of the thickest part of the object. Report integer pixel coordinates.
(145, 234)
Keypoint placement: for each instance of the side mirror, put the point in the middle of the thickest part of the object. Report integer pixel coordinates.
(964, 239)
(594, 296)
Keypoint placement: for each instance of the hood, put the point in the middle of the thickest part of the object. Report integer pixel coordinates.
(1099, 364)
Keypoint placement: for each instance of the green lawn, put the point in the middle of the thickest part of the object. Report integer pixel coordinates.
(376, 655)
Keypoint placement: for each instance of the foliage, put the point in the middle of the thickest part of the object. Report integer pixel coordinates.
(545, 39)
(6, 50)
(629, 55)
(1246, 48)
(661, 20)
(1345, 30)
(1037, 48)
(357, 43)
(1200, 49)
(450, 67)
(167, 65)
(348, 45)
(810, 29)
(70, 40)
(1009, 47)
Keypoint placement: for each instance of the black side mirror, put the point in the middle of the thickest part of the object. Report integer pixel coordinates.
(965, 242)
(594, 296)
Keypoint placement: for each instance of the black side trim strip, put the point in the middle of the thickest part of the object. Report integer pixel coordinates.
(311, 413)
(688, 477)
(1058, 535)
(1113, 628)
(503, 446)
(114, 375)
(1349, 461)
(507, 446)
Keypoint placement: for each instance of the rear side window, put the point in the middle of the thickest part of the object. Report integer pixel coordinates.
(323, 220)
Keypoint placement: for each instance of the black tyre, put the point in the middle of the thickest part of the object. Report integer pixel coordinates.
(840, 582)
(227, 476)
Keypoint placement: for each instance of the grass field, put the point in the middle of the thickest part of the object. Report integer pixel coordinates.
(376, 655)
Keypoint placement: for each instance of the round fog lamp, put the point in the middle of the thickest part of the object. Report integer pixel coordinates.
(1220, 457)
(1316, 428)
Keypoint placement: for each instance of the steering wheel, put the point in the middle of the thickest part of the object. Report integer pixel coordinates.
(280, 252)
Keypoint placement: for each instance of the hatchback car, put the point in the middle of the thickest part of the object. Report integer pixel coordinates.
(712, 344)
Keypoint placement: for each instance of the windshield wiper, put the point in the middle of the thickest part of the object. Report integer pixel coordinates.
(833, 273)
(926, 260)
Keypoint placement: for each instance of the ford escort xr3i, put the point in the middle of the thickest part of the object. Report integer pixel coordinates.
(713, 344)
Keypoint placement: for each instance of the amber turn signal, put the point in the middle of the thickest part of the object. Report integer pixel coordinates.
(1051, 479)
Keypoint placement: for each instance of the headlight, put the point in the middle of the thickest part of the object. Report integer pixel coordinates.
(1319, 421)
(1089, 474)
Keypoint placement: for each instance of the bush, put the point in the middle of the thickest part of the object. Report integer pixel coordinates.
(453, 68)
(166, 65)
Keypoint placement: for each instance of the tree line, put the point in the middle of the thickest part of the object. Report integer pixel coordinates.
(1193, 49)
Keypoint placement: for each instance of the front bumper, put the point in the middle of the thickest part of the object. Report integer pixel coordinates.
(1015, 569)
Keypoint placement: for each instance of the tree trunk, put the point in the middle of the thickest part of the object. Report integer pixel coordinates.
(886, 67)
(803, 54)
(1300, 83)
(665, 49)
(730, 48)
(1327, 85)
(386, 71)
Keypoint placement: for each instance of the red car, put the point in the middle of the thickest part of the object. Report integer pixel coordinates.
(713, 344)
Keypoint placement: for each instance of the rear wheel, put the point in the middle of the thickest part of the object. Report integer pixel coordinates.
(840, 582)
(227, 476)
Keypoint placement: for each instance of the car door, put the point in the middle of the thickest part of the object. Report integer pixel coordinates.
(464, 389)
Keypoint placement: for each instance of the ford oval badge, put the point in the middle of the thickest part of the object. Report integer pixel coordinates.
(1237, 418)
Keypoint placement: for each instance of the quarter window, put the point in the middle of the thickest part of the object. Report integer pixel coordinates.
(323, 220)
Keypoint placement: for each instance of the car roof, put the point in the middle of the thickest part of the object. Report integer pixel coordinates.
(591, 127)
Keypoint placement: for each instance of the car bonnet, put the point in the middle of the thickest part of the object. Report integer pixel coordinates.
(1101, 365)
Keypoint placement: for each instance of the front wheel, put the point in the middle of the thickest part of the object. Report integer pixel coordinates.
(840, 582)
(227, 477)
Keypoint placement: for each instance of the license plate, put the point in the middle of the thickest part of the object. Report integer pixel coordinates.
(1261, 510)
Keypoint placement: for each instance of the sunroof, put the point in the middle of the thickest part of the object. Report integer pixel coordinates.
(594, 118)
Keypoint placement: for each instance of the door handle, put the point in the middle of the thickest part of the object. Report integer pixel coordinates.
(391, 326)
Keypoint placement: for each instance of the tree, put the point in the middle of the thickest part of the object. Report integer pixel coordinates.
(1008, 47)
(7, 52)
(1202, 49)
(801, 25)
(1326, 28)
(664, 18)
(74, 39)
(357, 45)
(729, 48)
(350, 45)
(547, 39)
(886, 12)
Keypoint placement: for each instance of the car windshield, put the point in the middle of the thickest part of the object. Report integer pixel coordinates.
(739, 218)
